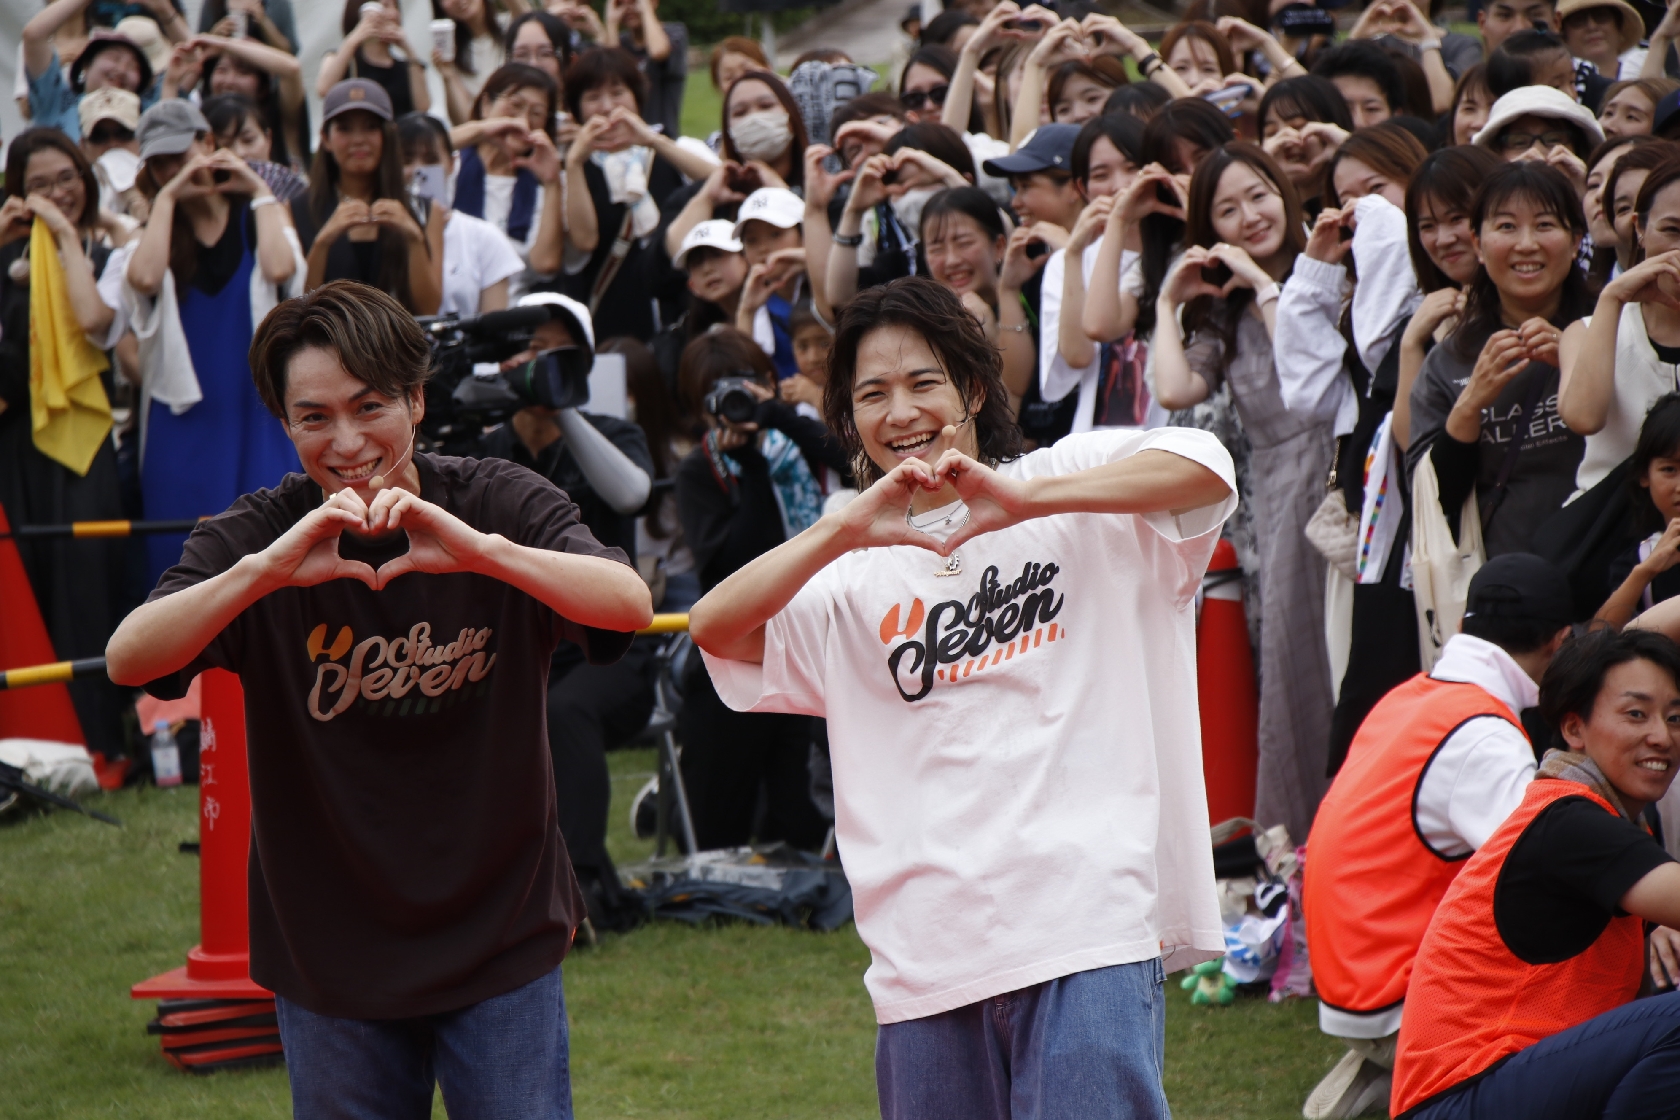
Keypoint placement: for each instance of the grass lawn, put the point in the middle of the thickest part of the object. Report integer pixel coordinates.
(732, 1022)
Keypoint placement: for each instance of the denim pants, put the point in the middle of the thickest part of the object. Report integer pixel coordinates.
(1091, 1044)
(1622, 1065)
(504, 1058)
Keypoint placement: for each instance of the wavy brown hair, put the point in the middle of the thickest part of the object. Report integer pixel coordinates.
(971, 362)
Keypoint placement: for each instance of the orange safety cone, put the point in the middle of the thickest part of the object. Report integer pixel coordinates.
(211, 1014)
(1229, 698)
(45, 711)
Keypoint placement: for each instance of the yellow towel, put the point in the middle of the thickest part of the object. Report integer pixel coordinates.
(70, 413)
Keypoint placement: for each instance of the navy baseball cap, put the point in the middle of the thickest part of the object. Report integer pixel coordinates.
(1049, 148)
(1520, 585)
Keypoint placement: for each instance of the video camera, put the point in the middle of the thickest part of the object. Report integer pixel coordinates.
(468, 391)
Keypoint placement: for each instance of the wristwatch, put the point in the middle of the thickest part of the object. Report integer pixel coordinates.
(848, 242)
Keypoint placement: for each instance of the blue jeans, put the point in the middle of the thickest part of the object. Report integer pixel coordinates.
(1087, 1045)
(504, 1058)
(1622, 1065)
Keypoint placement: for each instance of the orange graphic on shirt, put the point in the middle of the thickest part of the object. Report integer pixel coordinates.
(389, 668)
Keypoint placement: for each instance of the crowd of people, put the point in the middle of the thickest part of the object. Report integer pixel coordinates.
(1423, 287)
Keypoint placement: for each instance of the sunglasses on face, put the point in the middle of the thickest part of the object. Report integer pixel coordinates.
(1522, 141)
(917, 100)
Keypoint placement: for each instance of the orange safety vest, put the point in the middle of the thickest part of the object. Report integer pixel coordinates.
(1473, 1002)
(1371, 881)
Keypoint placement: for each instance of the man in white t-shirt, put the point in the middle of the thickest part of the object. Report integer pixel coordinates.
(1004, 648)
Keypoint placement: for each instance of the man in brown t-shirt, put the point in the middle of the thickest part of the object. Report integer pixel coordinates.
(391, 617)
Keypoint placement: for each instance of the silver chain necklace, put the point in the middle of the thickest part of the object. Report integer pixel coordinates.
(952, 564)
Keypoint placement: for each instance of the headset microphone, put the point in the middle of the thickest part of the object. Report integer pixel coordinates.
(378, 481)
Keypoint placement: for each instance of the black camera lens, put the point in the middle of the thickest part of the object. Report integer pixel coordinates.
(730, 400)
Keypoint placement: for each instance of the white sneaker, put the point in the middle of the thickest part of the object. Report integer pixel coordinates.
(1353, 1088)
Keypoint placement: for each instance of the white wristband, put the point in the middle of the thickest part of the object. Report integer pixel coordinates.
(1429, 45)
(262, 200)
(1263, 296)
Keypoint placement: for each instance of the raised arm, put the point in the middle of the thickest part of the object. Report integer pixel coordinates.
(1072, 342)
(1587, 352)
(335, 64)
(583, 227)
(1177, 385)
(38, 32)
(959, 99)
(548, 246)
(867, 191)
(93, 314)
(819, 239)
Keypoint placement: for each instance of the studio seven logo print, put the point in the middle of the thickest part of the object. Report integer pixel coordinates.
(954, 640)
(391, 669)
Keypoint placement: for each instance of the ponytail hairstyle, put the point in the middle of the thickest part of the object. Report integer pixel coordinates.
(1201, 313)
(1545, 188)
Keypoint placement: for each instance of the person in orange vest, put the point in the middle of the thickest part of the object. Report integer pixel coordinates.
(1522, 996)
(1436, 766)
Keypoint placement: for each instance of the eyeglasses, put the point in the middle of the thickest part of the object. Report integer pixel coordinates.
(1523, 141)
(112, 134)
(916, 100)
(63, 181)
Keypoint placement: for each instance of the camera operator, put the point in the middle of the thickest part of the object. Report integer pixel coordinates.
(391, 615)
(749, 486)
(603, 465)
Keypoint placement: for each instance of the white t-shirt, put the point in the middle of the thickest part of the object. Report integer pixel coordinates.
(1056, 379)
(1030, 805)
(498, 207)
(475, 255)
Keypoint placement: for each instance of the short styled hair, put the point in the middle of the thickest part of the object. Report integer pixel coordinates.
(1576, 675)
(376, 340)
(972, 363)
(1361, 58)
(596, 67)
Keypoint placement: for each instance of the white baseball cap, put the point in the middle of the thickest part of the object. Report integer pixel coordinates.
(575, 314)
(716, 233)
(776, 205)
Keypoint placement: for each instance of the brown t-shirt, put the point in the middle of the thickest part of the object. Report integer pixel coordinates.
(406, 856)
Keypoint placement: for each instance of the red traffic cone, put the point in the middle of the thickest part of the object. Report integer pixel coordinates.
(44, 711)
(211, 1014)
(1229, 698)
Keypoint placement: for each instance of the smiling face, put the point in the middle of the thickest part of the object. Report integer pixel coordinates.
(1248, 212)
(233, 76)
(1629, 113)
(1447, 240)
(117, 66)
(1081, 99)
(604, 98)
(1631, 731)
(356, 140)
(1660, 231)
(1194, 60)
(345, 431)
(1354, 178)
(960, 253)
(1046, 197)
(165, 167)
(1365, 99)
(1110, 170)
(902, 399)
(858, 147)
(1527, 251)
(54, 174)
(521, 103)
(1471, 114)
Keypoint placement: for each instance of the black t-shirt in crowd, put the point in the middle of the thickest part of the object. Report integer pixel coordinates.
(406, 857)
(1565, 876)
(626, 306)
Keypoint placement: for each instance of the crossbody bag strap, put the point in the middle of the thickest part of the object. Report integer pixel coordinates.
(615, 260)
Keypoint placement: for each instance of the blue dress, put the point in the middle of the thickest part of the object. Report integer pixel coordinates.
(228, 444)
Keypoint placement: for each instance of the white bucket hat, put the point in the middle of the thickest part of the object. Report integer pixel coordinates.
(1538, 101)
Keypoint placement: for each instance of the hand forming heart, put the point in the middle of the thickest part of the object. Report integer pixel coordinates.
(308, 553)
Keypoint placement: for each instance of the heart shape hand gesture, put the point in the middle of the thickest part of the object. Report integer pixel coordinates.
(308, 553)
